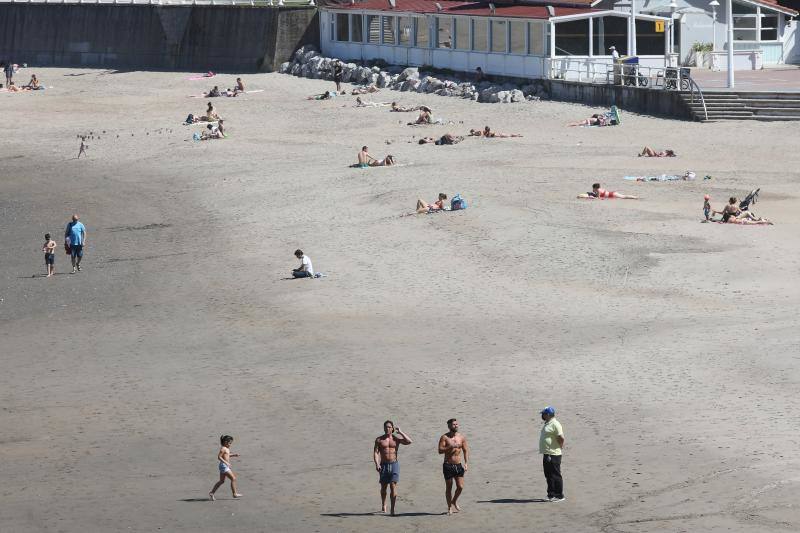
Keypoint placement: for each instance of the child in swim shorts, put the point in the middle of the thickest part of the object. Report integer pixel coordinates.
(225, 472)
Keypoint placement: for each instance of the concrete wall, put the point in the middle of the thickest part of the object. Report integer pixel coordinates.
(151, 37)
(645, 101)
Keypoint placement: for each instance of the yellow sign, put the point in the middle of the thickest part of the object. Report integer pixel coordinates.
(659, 26)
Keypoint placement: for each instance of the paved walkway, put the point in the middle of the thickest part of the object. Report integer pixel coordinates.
(785, 78)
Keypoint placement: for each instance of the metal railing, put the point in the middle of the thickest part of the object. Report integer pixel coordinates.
(630, 75)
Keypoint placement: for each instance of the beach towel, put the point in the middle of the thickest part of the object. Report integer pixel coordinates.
(202, 76)
(662, 177)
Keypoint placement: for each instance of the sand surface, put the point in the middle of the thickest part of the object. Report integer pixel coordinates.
(669, 347)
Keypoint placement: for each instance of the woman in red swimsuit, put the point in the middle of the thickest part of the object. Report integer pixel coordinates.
(597, 192)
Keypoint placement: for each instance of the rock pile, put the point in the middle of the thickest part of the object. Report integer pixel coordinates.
(308, 63)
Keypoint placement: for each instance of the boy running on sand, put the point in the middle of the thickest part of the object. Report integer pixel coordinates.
(224, 456)
(49, 249)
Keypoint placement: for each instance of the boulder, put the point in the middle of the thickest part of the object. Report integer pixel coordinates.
(373, 78)
(407, 73)
(433, 85)
(517, 96)
(285, 66)
(308, 56)
(296, 69)
(383, 80)
(376, 70)
(410, 85)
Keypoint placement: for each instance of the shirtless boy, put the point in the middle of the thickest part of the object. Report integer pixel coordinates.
(224, 457)
(452, 444)
(385, 456)
(49, 249)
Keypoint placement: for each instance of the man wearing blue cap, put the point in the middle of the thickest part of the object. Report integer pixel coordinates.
(551, 439)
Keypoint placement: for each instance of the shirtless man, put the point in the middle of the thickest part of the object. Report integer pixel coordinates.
(452, 444)
(364, 158)
(385, 456)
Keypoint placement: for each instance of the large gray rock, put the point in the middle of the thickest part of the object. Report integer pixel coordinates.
(285, 66)
(433, 85)
(373, 78)
(410, 72)
(297, 68)
(410, 85)
(308, 56)
(383, 80)
(517, 96)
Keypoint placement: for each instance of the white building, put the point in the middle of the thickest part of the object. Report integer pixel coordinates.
(530, 39)
(764, 32)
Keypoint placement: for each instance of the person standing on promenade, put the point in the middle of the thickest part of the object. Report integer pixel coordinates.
(452, 444)
(551, 440)
(76, 235)
(385, 456)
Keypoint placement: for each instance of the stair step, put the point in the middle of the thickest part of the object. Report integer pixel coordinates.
(762, 118)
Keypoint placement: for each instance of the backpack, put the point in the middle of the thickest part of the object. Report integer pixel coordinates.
(457, 203)
(189, 119)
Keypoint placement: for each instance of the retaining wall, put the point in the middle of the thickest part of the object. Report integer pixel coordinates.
(218, 38)
(645, 101)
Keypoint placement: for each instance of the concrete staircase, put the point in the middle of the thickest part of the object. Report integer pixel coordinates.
(763, 106)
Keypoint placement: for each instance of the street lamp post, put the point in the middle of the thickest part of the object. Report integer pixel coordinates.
(729, 17)
(673, 6)
(632, 48)
(714, 5)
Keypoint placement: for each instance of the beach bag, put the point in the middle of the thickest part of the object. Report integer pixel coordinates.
(457, 203)
(189, 119)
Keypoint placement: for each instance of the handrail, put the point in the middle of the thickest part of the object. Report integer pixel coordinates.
(693, 85)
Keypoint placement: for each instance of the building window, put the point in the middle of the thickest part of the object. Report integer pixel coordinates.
(342, 27)
(356, 31)
(745, 19)
(769, 27)
(499, 36)
(613, 31)
(572, 38)
(444, 33)
(536, 38)
(462, 33)
(517, 30)
(405, 31)
(332, 24)
(422, 32)
(373, 29)
(480, 35)
(388, 30)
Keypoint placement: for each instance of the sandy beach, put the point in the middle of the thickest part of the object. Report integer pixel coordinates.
(669, 347)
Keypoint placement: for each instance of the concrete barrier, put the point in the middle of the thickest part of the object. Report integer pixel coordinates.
(638, 100)
(218, 38)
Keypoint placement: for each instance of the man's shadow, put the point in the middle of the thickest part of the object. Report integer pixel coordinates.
(378, 513)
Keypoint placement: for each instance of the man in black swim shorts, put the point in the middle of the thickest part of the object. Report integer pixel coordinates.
(452, 445)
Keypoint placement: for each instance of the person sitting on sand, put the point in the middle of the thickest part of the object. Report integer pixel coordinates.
(239, 86)
(364, 159)
(210, 116)
(649, 152)
(386, 162)
(438, 205)
(732, 214)
(327, 95)
(214, 132)
(13, 88)
(33, 85)
(365, 89)
(594, 120)
(447, 138)
(213, 93)
(600, 193)
(423, 118)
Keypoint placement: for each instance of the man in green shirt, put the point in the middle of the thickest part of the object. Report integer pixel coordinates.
(551, 440)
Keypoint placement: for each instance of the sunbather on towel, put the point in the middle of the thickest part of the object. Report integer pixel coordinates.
(399, 109)
(438, 205)
(598, 192)
(488, 133)
(649, 152)
(213, 93)
(365, 89)
(327, 95)
(447, 138)
(385, 162)
(33, 85)
(594, 120)
(361, 103)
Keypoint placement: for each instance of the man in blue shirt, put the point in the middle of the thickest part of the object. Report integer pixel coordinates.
(75, 238)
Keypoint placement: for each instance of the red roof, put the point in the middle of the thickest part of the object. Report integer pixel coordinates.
(458, 7)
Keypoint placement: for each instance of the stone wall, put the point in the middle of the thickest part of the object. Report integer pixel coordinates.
(218, 38)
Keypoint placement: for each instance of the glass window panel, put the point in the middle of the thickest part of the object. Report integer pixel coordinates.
(744, 22)
(388, 30)
(342, 27)
(422, 32)
(572, 38)
(769, 34)
(613, 31)
(355, 24)
(445, 32)
(499, 36)
(744, 35)
(517, 29)
(462, 33)
(743, 9)
(373, 29)
(648, 41)
(480, 35)
(405, 27)
(536, 36)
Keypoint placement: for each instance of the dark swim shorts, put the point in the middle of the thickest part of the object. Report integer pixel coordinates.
(450, 470)
(49, 259)
(390, 472)
(76, 250)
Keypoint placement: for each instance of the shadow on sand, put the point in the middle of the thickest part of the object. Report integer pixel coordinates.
(378, 513)
(512, 500)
